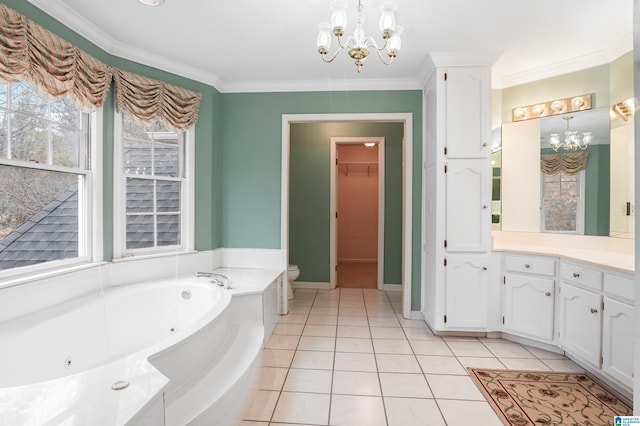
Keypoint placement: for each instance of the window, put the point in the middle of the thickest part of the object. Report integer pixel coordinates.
(563, 202)
(153, 212)
(46, 179)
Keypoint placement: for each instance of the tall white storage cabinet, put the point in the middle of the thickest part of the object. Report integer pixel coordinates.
(457, 193)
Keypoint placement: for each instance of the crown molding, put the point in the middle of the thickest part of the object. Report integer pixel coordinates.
(78, 23)
(318, 85)
(606, 56)
(463, 59)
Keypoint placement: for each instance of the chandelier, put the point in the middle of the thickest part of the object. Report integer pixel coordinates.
(358, 44)
(572, 140)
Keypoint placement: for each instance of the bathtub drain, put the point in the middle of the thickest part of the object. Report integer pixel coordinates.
(119, 385)
(67, 362)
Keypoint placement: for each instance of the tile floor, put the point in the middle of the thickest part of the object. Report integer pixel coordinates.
(347, 357)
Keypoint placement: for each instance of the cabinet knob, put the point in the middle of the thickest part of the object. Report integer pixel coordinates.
(485, 145)
(576, 275)
(484, 268)
(547, 293)
(526, 265)
(594, 311)
(485, 206)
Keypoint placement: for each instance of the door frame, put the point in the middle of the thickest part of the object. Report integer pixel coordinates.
(333, 205)
(407, 188)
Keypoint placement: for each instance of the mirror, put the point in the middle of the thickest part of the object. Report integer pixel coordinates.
(597, 200)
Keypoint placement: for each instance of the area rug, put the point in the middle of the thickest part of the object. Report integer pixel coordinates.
(536, 398)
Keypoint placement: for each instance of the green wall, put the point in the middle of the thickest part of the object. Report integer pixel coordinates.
(208, 220)
(238, 151)
(596, 189)
(252, 139)
(309, 196)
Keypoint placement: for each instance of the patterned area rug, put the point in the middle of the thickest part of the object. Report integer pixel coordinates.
(536, 398)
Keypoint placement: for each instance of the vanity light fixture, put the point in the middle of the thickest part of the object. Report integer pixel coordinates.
(624, 109)
(572, 140)
(152, 2)
(369, 144)
(358, 45)
(558, 106)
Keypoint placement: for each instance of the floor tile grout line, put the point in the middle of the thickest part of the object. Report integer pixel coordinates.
(273, 412)
(424, 375)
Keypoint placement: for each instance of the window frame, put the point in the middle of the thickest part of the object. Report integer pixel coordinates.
(120, 250)
(580, 208)
(90, 201)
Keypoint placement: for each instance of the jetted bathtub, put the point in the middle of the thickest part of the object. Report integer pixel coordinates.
(118, 357)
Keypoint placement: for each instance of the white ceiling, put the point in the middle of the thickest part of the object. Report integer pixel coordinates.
(269, 45)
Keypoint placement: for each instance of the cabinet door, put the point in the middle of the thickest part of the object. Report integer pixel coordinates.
(581, 322)
(468, 206)
(528, 306)
(467, 280)
(468, 117)
(617, 340)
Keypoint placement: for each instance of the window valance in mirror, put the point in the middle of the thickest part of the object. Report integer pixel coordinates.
(30, 52)
(570, 163)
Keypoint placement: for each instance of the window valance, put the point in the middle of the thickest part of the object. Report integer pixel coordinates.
(149, 99)
(30, 52)
(571, 163)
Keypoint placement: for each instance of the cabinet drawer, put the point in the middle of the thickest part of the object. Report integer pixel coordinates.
(530, 265)
(585, 277)
(620, 287)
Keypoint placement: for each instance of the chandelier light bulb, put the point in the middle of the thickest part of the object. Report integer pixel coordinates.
(338, 17)
(324, 38)
(387, 22)
(395, 42)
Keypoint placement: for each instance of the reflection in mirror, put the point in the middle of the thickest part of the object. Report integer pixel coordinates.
(575, 159)
(622, 181)
(573, 194)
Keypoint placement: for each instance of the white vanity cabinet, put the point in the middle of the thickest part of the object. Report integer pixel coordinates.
(618, 326)
(467, 291)
(528, 296)
(581, 311)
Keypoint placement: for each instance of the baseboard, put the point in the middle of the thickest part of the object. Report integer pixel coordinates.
(417, 315)
(316, 285)
(392, 287)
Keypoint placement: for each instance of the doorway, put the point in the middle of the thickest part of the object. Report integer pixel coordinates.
(358, 191)
(407, 197)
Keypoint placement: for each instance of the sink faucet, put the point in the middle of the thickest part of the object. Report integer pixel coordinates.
(218, 279)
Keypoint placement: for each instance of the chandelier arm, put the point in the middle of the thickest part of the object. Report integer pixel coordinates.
(334, 56)
(372, 44)
(382, 57)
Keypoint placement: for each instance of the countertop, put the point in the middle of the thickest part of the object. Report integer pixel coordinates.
(616, 253)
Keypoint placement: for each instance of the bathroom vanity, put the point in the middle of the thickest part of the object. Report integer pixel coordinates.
(569, 293)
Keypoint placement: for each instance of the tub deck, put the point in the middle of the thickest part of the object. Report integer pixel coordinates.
(86, 398)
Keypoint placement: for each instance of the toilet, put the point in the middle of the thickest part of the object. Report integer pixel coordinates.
(293, 272)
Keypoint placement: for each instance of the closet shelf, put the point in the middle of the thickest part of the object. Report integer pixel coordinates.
(354, 167)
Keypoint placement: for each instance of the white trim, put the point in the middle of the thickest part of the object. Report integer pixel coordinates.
(407, 172)
(327, 85)
(417, 315)
(316, 285)
(187, 199)
(392, 287)
(333, 228)
(96, 192)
